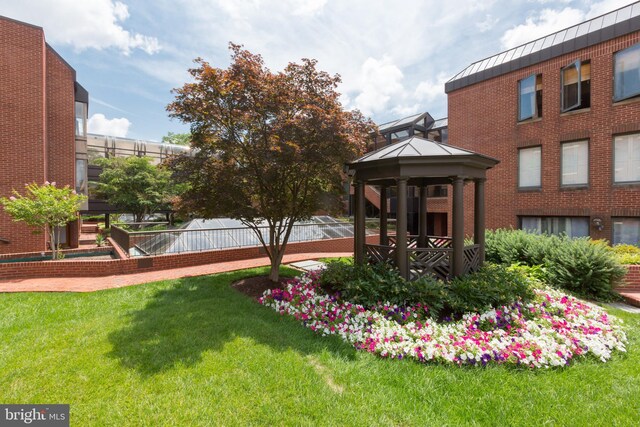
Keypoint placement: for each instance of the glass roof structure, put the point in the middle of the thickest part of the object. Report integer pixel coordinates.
(422, 119)
(221, 233)
(113, 146)
(597, 30)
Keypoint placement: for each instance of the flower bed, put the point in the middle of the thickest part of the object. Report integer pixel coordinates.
(551, 331)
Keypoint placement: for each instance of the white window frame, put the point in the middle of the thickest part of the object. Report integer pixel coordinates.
(520, 169)
(563, 165)
(625, 162)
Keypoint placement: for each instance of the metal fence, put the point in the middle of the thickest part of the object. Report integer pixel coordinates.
(142, 243)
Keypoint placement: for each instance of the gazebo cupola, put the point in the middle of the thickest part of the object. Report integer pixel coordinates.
(421, 162)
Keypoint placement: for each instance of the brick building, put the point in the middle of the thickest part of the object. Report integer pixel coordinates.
(562, 114)
(43, 112)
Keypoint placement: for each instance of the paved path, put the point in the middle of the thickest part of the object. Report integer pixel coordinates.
(631, 296)
(90, 284)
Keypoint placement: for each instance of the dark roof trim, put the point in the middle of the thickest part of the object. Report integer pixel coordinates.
(590, 39)
(81, 93)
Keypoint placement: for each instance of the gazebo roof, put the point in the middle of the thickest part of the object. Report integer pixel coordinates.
(420, 158)
(414, 147)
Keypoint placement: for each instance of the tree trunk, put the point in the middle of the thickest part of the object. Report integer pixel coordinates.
(52, 240)
(276, 260)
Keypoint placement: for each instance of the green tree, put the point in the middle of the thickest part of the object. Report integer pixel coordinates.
(135, 185)
(45, 206)
(269, 148)
(177, 138)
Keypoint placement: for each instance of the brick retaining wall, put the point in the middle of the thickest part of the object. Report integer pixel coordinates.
(98, 268)
(632, 279)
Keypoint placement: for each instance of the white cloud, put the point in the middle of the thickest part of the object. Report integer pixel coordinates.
(381, 80)
(546, 22)
(602, 7)
(429, 90)
(487, 24)
(549, 21)
(99, 124)
(381, 51)
(88, 24)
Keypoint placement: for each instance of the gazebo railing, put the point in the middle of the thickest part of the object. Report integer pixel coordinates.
(432, 241)
(429, 261)
(471, 255)
(381, 253)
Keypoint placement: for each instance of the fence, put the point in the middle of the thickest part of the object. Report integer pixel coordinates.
(144, 243)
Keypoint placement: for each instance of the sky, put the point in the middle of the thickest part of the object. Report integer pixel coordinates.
(393, 56)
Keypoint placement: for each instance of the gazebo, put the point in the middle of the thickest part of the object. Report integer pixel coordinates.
(421, 162)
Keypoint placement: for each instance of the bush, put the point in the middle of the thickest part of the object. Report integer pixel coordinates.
(518, 246)
(369, 285)
(492, 286)
(583, 266)
(627, 254)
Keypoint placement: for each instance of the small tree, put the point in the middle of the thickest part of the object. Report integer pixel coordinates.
(45, 206)
(177, 138)
(269, 148)
(134, 185)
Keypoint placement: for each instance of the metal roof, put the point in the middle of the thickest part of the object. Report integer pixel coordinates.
(404, 122)
(421, 161)
(597, 30)
(414, 147)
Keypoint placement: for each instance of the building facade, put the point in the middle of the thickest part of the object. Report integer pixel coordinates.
(562, 114)
(43, 115)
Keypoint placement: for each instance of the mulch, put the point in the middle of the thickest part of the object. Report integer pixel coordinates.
(255, 286)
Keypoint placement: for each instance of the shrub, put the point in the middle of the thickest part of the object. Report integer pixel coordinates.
(584, 267)
(627, 254)
(492, 286)
(371, 284)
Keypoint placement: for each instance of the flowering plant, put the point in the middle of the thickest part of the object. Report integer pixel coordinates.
(551, 330)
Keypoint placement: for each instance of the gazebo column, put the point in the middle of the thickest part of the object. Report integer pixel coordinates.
(458, 226)
(359, 238)
(384, 234)
(401, 229)
(479, 218)
(422, 218)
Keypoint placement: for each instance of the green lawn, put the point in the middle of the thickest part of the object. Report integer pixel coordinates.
(196, 352)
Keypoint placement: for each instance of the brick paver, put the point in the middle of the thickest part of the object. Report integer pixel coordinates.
(90, 284)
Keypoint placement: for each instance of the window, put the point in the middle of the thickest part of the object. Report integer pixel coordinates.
(81, 119)
(626, 230)
(627, 158)
(529, 167)
(530, 97)
(575, 163)
(571, 226)
(437, 191)
(626, 73)
(576, 86)
(81, 176)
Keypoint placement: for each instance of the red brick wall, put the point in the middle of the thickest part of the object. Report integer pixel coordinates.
(22, 123)
(483, 118)
(632, 279)
(78, 268)
(36, 122)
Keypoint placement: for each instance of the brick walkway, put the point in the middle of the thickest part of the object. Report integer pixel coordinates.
(90, 284)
